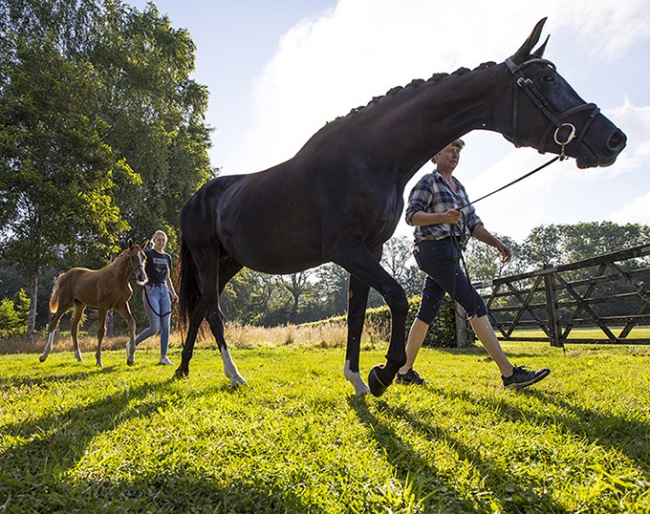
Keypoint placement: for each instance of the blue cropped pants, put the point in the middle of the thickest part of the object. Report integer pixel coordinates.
(439, 260)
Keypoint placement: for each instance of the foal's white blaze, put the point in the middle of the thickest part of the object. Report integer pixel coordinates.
(140, 270)
(354, 377)
(230, 369)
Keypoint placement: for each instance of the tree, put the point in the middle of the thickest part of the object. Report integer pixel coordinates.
(155, 113)
(90, 91)
(56, 173)
(484, 261)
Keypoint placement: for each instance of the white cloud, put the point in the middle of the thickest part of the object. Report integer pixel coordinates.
(635, 211)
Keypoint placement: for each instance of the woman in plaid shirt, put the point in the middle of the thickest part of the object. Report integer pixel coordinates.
(442, 229)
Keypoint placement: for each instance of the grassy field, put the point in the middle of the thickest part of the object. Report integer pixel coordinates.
(78, 439)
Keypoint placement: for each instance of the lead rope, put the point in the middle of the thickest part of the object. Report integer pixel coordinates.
(561, 157)
(454, 238)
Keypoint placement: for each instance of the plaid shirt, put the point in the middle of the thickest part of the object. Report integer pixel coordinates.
(432, 194)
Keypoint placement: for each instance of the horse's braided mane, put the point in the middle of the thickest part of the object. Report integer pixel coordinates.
(434, 79)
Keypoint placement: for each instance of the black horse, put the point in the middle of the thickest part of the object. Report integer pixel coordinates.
(339, 199)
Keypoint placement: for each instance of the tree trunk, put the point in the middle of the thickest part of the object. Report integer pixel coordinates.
(33, 303)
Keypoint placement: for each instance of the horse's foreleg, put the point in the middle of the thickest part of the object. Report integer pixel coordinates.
(74, 328)
(51, 330)
(380, 377)
(101, 331)
(125, 312)
(363, 264)
(357, 301)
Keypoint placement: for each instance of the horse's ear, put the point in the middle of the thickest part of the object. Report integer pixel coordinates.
(524, 53)
(540, 51)
(130, 243)
(145, 244)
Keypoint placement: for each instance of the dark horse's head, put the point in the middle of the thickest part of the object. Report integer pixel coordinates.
(544, 103)
(137, 259)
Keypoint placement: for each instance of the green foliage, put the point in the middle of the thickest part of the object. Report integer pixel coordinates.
(13, 315)
(128, 439)
(563, 244)
(441, 334)
(102, 133)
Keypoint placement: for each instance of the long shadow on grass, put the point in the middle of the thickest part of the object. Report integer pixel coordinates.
(602, 429)
(513, 494)
(33, 473)
(407, 462)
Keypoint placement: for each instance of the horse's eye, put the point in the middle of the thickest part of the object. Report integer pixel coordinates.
(549, 79)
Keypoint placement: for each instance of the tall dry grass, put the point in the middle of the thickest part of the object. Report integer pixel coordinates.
(325, 335)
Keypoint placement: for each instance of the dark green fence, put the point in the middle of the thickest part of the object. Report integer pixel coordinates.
(608, 292)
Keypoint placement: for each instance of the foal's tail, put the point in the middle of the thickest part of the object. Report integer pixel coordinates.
(54, 299)
(189, 289)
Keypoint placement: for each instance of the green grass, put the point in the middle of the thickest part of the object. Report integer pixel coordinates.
(77, 439)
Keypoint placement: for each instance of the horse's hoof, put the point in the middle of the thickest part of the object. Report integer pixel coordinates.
(236, 381)
(180, 372)
(377, 383)
(42, 358)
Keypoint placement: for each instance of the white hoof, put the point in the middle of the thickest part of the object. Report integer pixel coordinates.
(236, 381)
(354, 377)
(78, 356)
(130, 353)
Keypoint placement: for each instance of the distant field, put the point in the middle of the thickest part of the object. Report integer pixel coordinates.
(589, 333)
(77, 439)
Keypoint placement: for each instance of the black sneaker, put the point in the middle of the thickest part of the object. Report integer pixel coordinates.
(522, 377)
(410, 377)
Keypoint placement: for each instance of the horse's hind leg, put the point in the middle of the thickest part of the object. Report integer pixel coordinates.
(196, 318)
(219, 276)
(74, 328)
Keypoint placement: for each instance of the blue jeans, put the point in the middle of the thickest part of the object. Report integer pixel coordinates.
(157, 304)
(439, 260)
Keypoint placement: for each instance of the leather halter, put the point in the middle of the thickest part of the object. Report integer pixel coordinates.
(540, 101)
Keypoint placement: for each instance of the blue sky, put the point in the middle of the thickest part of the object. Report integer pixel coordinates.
(279, 70)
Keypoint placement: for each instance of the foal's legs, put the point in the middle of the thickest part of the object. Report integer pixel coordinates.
(51, 329)
(101, 331)
(74, 328)
(125, 311)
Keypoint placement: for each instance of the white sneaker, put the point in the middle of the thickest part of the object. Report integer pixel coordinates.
(130, 353)
(164, 361)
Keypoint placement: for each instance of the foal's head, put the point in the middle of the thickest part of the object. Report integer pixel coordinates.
(137, 260)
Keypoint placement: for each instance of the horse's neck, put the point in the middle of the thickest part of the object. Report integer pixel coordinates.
(121, 268)
(415, 129)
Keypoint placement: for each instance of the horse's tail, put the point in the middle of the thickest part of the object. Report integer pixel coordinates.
(54, 298)
(189, 289)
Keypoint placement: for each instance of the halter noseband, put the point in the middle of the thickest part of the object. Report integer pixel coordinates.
(540, 101)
